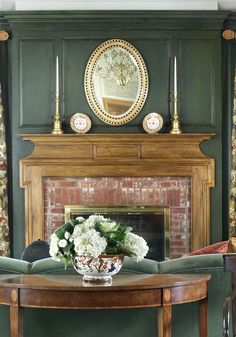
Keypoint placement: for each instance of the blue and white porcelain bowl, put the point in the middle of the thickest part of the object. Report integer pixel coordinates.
(100, 268)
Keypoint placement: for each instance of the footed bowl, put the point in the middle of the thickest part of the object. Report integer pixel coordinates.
(100, 268)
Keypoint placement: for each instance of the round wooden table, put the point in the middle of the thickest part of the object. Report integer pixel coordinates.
(126, 291)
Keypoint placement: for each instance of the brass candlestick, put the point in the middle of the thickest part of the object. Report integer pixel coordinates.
(57, 129)
(175, 118)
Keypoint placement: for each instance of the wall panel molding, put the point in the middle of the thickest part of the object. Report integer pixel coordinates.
(36, 70)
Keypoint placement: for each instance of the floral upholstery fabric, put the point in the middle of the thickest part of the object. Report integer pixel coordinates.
(4, 228)
(232, 207)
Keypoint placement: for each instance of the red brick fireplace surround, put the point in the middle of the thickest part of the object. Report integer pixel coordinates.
(112, 170)
(174, 192)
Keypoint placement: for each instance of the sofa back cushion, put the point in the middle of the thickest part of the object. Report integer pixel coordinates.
(13, 266)
(191, 264)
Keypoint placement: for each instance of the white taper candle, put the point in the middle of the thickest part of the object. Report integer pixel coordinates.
(57, 75)
(175, 75)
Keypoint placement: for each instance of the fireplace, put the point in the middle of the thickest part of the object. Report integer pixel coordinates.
(152, 223)
(172, 193)
(131, 158)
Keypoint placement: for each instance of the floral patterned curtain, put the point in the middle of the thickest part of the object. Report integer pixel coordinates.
(233, 169)
(4, 229)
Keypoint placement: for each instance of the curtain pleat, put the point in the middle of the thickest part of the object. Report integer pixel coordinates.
(4, 228)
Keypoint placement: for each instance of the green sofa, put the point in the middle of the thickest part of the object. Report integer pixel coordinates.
(128, 322)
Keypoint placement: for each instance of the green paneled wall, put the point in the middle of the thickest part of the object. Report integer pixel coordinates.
(36, 39)
(36, 81)
(198, 62)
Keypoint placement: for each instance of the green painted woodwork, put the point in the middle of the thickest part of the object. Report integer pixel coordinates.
(197, 97)
(230, 22)
(36, 39)
(36, 81)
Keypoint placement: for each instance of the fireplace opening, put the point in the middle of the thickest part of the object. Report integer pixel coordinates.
(152, 223)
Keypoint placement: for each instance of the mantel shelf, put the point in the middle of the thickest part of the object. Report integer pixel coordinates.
(118, 137)
(118, 146)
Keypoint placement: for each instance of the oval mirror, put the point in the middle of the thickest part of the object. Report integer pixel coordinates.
(116, 82)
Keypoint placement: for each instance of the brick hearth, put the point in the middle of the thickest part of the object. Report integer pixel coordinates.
(174, 192)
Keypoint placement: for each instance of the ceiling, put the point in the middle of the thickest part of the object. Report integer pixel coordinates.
(118, 5)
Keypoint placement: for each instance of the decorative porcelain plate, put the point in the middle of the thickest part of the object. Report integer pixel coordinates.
(80, 123)
(153, 122)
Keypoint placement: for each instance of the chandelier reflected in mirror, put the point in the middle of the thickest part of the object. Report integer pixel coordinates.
(117, 64)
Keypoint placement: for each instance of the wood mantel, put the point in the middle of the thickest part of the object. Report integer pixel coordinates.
(119, 155)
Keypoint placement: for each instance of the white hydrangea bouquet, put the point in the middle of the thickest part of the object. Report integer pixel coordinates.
(93, 237)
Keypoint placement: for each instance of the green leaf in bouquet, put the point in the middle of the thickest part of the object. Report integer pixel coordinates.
(111, 250)
(69, 248)
(67, 260)
(67, 227)
(110, 235)
(98, 228)
(112, 243)
(121, 236)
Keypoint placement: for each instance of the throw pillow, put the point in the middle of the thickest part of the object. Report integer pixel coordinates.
(218, 247)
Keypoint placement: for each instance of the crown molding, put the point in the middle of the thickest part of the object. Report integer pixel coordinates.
(127, 20)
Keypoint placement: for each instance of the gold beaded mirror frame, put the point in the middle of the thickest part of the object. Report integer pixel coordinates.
(116, 82)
